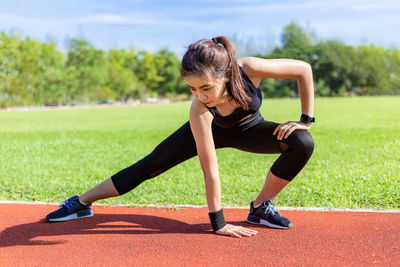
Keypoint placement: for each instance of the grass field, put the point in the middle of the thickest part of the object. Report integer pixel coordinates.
(51, 155)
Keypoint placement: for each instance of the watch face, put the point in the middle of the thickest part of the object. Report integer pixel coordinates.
(306, 119)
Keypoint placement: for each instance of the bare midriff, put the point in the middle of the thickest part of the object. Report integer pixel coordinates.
(246, 117)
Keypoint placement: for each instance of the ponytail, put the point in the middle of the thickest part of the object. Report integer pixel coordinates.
(216, 58)
(236, 91)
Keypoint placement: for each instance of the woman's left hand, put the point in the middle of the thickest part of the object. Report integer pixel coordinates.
(285, 129)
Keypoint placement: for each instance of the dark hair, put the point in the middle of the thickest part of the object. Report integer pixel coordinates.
(216, 58)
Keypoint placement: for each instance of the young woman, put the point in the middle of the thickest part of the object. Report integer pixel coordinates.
(224, 113)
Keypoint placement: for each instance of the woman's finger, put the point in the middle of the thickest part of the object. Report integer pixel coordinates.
(251, 231)
(227, 232)
(297, 126)
(290, 130)
(233, 233)
(248, 233)
(277, 129)
(242, 232)
(282, 131)
(236, 231)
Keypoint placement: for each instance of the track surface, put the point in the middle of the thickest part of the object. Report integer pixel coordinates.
(124, 236)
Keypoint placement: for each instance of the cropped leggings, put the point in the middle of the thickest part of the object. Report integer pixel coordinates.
(253, 135)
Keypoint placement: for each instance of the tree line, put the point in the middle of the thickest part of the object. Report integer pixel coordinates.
(338, 69)
(36, 73)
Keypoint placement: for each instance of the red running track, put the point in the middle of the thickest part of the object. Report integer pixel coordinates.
(124, 236)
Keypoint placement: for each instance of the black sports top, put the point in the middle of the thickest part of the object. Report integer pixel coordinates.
(234, 118)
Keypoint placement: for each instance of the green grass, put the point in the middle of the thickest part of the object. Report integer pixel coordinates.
(51, 155)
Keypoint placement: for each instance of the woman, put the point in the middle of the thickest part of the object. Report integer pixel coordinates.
(223, 113)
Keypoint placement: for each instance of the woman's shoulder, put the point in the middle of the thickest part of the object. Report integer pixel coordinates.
(197, 108)
(249, 67)
(248, 64)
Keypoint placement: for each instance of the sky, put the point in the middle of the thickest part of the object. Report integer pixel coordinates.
(156, 24)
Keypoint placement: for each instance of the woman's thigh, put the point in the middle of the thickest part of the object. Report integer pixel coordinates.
(258, 139)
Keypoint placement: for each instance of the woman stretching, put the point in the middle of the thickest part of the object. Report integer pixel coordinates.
(224, 113)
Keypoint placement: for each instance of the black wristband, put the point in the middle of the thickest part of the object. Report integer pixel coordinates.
(217, 219)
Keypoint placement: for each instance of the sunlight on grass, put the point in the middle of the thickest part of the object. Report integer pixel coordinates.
(51, 155)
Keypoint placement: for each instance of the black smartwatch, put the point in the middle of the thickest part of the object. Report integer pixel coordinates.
(306, 119)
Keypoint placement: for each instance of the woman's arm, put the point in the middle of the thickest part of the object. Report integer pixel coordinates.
(200, 123)
(258, 68)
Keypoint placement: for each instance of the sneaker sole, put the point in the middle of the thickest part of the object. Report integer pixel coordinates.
(256, 220)
(79, 215)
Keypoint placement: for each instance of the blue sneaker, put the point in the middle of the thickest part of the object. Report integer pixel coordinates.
(70, 209)
(267, 215)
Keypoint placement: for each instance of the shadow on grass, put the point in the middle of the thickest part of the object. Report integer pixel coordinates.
(24, 234)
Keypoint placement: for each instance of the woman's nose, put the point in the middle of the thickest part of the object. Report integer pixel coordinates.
(203, 96)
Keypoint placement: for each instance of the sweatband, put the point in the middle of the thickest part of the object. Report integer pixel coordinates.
(217, 219)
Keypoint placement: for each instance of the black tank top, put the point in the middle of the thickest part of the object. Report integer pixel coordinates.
(234, 118)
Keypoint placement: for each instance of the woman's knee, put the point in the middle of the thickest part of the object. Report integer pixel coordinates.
(301, 140)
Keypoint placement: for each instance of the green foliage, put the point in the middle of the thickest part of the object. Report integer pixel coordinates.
(333, 64)
(147, 70)
(275, 88)
(35, 73)
(9, 62)
(51, 88)
(170, 71)
(89, 67)
(123, 81)
(294, 37)
(339, 69)
(375, 68)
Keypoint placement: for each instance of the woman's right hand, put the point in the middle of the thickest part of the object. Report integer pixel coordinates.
(235, 231)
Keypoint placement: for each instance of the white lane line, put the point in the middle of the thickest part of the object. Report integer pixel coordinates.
(320, 209)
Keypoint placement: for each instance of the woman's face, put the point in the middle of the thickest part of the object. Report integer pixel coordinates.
(211, 92)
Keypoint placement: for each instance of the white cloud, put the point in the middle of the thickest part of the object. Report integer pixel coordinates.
(349, 20)
(133, 19)
(267, 8)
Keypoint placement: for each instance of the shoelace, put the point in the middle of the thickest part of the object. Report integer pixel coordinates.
(271, 209)
(67, 203)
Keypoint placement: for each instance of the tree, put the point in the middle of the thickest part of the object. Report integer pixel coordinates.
(51, 89)
(374, 68)
(333, 66)
(9, 63)
(89, 67)
(296, 44)
(169, 70)
(147, 71)
(122, 80)
(295, 37)
(36, 73)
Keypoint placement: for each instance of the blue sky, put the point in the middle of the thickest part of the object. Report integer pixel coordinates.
(152, 24)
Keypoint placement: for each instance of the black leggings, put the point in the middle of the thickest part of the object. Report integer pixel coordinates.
(252, 135)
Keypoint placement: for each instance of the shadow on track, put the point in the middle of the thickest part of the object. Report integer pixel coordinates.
(24, 234)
